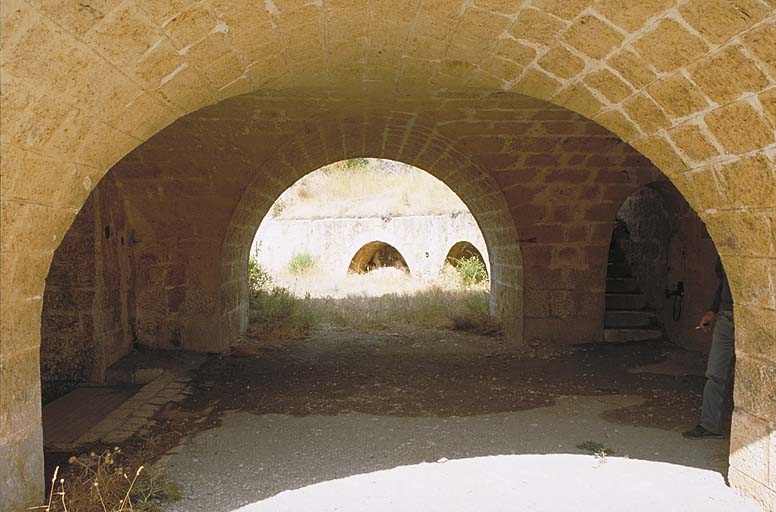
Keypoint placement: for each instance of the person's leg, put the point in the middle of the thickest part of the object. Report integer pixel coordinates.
(717, 372)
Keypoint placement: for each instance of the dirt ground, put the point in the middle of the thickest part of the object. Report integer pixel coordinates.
(443, 373)
(287, 414)
(284, 414)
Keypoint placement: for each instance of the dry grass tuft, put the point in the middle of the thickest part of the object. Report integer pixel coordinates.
(432, 308)
(110, 481)
(386, 298)
(473, 315)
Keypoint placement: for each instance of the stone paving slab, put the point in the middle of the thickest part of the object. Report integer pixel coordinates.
(110, 414)
(137, 413)
(70, 417)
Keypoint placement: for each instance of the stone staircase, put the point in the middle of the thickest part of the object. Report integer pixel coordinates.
(627, 317)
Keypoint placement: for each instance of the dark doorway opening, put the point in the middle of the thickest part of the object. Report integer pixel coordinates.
(376, 255)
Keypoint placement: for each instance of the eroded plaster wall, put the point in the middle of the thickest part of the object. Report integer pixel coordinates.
(422, 240)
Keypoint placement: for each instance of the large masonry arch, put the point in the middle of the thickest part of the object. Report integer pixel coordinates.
(517, 91)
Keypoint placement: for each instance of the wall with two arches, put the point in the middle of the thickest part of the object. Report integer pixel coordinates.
(423, 240)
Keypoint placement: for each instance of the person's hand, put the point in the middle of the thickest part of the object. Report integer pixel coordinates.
(706, 320)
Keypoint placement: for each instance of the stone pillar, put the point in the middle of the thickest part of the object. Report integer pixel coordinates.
(21, 434)
(753, 437)
(179, 294)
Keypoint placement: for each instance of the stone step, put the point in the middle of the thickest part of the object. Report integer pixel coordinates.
(626, 335)
(628, 301)
(622, 284)
(628, 318)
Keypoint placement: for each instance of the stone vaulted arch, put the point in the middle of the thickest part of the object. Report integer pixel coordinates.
(690, 85)
(405, 140)
(371, 256)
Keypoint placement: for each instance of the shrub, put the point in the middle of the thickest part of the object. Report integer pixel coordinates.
(272, 306)
(258, 277)
(279, 312)
(471, 271)
(301, 263)
(273, 309)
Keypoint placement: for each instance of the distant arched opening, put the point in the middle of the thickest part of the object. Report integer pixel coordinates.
(463, 250)
(376, 255)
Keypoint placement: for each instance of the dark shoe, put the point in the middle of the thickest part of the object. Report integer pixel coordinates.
(700, 433)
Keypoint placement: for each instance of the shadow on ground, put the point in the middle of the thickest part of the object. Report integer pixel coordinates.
(287, 415)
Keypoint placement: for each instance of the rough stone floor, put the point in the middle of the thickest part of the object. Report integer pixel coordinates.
(126, 407)
(449, 421)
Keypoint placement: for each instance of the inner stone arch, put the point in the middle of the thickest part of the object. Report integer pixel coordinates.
(377, 254)
(414, 143)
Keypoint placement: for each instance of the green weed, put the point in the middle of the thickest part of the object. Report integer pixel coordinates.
(471, 271)
(598, 450)
(301, 263)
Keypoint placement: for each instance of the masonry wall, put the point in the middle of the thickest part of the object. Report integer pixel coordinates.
(177, 297)
(88, 306)
(178, 231)
(127, 273)
(424, 240)
(667, 242)
(565, 208)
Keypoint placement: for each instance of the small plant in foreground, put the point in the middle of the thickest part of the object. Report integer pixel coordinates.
(301, 263)
(108, 482)
(598, 450)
